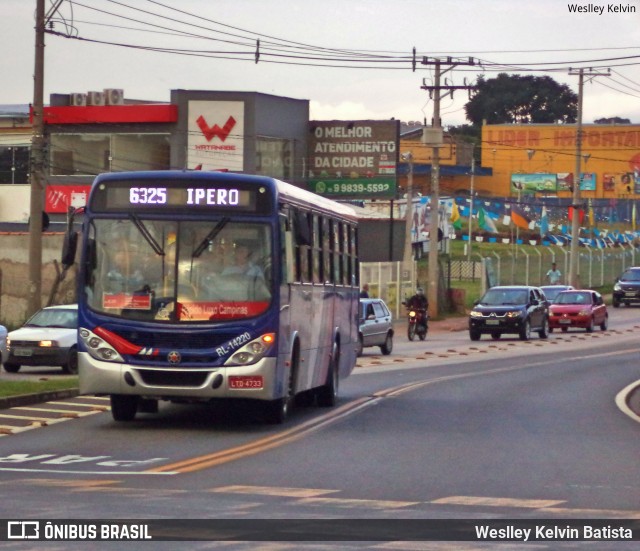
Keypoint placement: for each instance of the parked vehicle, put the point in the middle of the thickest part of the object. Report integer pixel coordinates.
(519, 309)
(376, 326)
(417, 324)
(49, 337)
(551, 291)
(626, 289)
(578, 308)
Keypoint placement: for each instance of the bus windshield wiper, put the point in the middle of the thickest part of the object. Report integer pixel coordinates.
(146, 234)
(209, 237)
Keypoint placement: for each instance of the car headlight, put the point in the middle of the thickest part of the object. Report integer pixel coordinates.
(584, 312)
(514, 314)
(48, 344)
(617, 287)
(475, 314)
(253, 351)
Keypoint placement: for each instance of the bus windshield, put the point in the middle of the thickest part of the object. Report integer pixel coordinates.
(178, 271)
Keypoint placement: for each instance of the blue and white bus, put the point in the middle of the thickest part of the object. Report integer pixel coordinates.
(199, 286)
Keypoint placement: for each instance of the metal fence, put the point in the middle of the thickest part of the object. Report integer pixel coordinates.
(529, 265)
(390, 281)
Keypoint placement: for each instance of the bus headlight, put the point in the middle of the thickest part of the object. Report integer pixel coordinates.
(98, 348)
(253, 351)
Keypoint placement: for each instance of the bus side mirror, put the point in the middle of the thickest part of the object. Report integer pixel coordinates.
(69, 248)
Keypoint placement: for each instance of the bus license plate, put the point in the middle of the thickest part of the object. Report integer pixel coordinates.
(245, 381)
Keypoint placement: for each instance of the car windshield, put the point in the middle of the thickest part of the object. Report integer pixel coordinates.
(631, 275)
(552, 292)
(165, 270)
(569, 297)
(54, 317)
(503, 297)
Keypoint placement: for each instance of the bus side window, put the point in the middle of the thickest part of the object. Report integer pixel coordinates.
(316, 251)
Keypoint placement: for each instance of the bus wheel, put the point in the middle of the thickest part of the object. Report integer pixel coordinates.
(328, 394)
(277, 411)
(123, 407)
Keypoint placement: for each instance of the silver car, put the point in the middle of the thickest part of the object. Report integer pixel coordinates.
(376, 325)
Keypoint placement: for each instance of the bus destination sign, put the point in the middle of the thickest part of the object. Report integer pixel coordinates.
(181, 196)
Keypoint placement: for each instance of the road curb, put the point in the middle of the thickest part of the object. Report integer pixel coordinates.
(36, 398)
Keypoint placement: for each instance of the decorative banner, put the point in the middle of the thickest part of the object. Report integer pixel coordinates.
(533, 183)
(216, 135)
(587, 181)
(620, 184)
(353, 158)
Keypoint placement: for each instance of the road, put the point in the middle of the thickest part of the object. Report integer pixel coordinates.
(442, 429)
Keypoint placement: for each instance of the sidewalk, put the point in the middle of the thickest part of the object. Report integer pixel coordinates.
(446, 325)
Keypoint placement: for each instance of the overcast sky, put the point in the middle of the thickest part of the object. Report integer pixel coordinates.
(350, 58)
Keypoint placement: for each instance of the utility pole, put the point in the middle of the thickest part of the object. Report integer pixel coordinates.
(436, 91)
(36, 208)
(574, 263)
(408, 242)
(37, 169)
(473, 171)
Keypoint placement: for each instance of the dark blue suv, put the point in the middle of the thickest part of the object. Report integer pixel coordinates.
(627, 288)
(516, 309)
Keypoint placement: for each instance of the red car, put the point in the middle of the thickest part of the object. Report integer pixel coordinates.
(578, 308)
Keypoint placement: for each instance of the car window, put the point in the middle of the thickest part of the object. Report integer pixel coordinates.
(370, 311)
(380, 313)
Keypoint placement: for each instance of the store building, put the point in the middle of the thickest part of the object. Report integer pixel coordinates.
(540, 160)
(87, 134)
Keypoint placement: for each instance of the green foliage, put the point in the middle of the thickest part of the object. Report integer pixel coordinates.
(20, 387)
(516, 99)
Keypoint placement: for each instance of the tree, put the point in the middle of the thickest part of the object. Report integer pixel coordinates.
(516, 99)
(612, 120)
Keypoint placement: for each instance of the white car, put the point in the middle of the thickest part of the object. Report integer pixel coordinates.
(49, 337)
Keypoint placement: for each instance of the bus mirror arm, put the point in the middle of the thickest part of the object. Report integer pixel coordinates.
(70, 243)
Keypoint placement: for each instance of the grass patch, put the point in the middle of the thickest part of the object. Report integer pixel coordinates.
(17, 388)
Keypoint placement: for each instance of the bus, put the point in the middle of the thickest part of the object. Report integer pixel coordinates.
(204, 286)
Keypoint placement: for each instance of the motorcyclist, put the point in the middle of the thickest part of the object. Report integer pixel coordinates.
(419, 303)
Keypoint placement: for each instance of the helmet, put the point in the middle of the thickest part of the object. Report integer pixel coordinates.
(420, 291)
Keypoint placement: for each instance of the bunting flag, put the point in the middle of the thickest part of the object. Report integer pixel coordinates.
(544, 223)
(485, 222)
(519, 218)
(455, 217)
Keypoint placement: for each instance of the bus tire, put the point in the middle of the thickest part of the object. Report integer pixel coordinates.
(277, 411)
(123, 407)
(328, 393)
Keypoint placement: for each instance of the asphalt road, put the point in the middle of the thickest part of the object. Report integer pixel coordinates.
(448, 430)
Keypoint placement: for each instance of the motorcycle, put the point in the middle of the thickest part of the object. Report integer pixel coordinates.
(418, 324)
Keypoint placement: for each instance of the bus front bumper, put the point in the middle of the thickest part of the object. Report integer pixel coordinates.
(257, 381)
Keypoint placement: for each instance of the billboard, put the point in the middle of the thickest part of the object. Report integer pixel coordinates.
(353, 159)
(216, 135)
